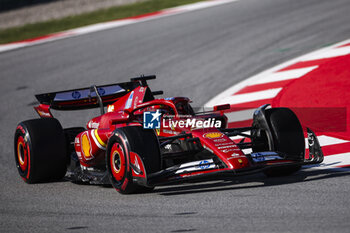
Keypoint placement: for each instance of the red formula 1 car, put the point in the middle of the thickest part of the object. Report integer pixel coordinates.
(118, 147)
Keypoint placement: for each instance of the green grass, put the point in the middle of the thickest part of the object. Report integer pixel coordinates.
(44, 28)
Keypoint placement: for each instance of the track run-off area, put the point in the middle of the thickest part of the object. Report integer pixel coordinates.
(199, 53)
(315, 86)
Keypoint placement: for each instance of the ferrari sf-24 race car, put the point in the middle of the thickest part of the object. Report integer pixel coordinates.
(137, 144)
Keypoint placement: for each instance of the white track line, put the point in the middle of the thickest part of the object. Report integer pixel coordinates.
(54, 37)
(251, 81)
(326, 53)
(249, 97)
(330, 161)
(327, 141)
(285, 75)
(240, 115)
(323, 140)
(115, 24)
(274, 75)
(336, 160)
(202, 5)
(100, 26)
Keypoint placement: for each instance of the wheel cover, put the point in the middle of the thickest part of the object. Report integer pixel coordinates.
(117, 162)
(22, 153)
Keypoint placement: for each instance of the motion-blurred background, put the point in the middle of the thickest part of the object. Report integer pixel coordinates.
(21, 12)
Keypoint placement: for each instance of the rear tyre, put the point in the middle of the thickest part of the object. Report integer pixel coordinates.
(131, 139)
(40, 150)
(288, 137)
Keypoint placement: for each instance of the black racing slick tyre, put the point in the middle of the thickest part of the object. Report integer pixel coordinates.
(288, 137)
(40, 150)
(124, 141)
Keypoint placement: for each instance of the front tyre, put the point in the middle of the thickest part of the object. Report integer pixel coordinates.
(40, 150)
(124, 141)
(287, 136)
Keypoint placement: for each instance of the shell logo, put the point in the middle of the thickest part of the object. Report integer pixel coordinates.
(213, 135)
(85, 145)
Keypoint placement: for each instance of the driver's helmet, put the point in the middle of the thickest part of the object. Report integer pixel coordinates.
(183, 106)
(181, 103)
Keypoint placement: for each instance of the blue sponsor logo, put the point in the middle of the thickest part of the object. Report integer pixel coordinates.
(151, 120)
(259, 158)
(101, 91)
(204, 164)
(265, 156)
(76, 94)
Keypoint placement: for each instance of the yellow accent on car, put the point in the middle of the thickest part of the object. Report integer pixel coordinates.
(85, 144)
(213, 135)
(99, 139)
(21, 161)
(116, 170)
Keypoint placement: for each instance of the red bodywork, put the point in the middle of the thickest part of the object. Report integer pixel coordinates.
(127, 110)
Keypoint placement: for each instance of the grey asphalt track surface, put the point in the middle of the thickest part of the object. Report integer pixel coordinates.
(197, 54)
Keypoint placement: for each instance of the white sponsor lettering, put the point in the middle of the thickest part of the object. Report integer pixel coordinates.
(196, 165)
(224, 147)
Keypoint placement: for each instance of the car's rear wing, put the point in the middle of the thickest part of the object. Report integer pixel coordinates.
(85, 98)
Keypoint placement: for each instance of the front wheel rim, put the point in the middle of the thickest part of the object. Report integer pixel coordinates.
(117, 162)
(22, 153)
